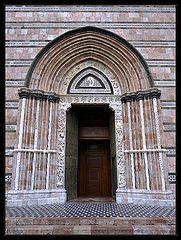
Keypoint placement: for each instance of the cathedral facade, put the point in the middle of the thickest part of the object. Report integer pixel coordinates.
(90, 103)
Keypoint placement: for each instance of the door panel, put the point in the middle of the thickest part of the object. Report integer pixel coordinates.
(94, 173)
(71, 154)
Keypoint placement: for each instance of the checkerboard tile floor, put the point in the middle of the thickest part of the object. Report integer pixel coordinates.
(71, 209)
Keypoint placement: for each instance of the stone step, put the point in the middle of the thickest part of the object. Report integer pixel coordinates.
(90, 226)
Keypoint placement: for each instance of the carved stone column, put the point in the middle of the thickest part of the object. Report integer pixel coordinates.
(63, 107)
(121, 178)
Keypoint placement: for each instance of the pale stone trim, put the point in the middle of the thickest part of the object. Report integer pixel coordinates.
(144, 143)
(63, 25)
(35, 150)
(63, 107)
(11, 104)
(165, 83)
(35, 144)
(42, 43)
(155, 108)
(20, 141)
(121, 178)
(131, 144)
(146, 150)
(49, 143)
(10, 128)
(161, 63)
(150, 62)
(93, 8)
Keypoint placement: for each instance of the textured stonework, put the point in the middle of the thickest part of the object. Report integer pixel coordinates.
(150, 30)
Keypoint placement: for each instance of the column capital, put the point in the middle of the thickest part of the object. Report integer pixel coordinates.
(141, 94)
(23, 93)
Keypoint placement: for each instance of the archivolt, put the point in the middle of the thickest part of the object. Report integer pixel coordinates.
(53, 63)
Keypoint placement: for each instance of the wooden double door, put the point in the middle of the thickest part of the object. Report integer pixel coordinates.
(94, 169)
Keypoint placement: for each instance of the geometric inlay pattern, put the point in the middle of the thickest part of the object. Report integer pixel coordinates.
(77, 209)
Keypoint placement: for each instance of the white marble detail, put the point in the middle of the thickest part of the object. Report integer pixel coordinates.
(20, 142)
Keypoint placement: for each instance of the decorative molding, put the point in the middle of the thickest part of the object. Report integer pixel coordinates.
(165, 83)
(121, 174)
(149, 44)
(146, 150)
(90, 64)
(141, 94)
(150, 62)
(168, 104)
(35, 150)
(171, 152)
(9, 152)
(36, 43)
(64, 105)
(88, 81)
(38, 94)
(12, 104)
(169, 127)
(8, 178)
(10, 128)
(108, 99)
(40, 43)
(18, 63)
(113, 25)
(93, 8)
(172, 178)
(161, 63)
(15, 83)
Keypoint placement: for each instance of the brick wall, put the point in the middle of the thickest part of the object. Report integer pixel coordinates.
(150, 29)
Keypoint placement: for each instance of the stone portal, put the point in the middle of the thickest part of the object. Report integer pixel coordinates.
(110, 72)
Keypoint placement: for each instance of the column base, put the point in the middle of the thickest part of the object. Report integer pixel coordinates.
(148, 197)
(35, 197)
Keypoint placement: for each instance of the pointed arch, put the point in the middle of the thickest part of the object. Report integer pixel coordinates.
(53, 62)
(90, 80)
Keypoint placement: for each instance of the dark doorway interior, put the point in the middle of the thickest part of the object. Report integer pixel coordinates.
(94, 167)
(90, 166)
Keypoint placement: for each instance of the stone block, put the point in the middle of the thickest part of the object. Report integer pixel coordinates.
(112, 230)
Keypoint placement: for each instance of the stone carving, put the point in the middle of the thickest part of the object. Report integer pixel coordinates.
(61, 144)
(116, 105)
(90, 80)
(141, 94)
(38, 94)
(119, 145)
(99, 67)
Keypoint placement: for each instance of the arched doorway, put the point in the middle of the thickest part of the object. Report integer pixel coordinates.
(88, 66)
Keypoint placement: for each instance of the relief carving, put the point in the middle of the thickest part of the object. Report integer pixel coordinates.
(65, 104)
(66, 79)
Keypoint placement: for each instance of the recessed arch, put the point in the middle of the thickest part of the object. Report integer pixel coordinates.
(90, 80)
(88, 43)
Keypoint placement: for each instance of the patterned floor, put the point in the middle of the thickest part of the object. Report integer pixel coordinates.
(92, 209)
